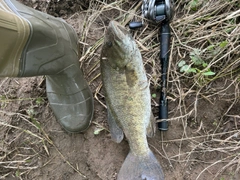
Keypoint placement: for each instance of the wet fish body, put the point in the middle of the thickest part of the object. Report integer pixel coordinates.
(129, 103)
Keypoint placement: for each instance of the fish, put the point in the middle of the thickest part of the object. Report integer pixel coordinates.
(128, 100)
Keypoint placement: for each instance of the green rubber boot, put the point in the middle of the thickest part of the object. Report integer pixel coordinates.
(34, 43)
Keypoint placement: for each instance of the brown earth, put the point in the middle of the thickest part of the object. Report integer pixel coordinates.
(34, 146)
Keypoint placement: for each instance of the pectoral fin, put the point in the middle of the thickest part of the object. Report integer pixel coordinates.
(151, 129)
(116, 132)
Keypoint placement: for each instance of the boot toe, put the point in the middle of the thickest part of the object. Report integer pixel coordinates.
(73, 111)
(75, 123)
(76, 116)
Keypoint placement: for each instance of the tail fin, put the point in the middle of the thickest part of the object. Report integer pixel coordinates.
(141, 168)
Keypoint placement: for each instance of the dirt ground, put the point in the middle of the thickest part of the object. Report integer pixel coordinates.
(202, 141)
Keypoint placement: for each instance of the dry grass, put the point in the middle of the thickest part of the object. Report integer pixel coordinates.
(23, 139)
(212, 28)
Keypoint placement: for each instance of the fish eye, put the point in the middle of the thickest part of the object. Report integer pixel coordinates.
(109, 43)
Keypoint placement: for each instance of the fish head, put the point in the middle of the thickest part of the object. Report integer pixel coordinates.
(118, 47)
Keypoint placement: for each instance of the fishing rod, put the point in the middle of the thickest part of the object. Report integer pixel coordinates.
(160, 11)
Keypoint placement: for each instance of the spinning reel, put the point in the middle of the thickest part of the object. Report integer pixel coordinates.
(155, 10)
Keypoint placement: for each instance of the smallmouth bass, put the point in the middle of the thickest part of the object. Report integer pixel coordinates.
(129, 103)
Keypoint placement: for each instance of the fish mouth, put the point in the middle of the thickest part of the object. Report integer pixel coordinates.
(117, 30)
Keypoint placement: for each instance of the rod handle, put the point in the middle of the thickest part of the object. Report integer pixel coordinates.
(163, 115)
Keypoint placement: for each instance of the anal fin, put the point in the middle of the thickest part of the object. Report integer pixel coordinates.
(151, 128)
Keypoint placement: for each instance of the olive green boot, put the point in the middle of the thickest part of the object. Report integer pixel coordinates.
(34, 43)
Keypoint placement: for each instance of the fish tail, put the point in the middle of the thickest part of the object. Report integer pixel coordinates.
(141, 168)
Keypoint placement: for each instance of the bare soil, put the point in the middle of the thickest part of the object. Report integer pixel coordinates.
(34, 146)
